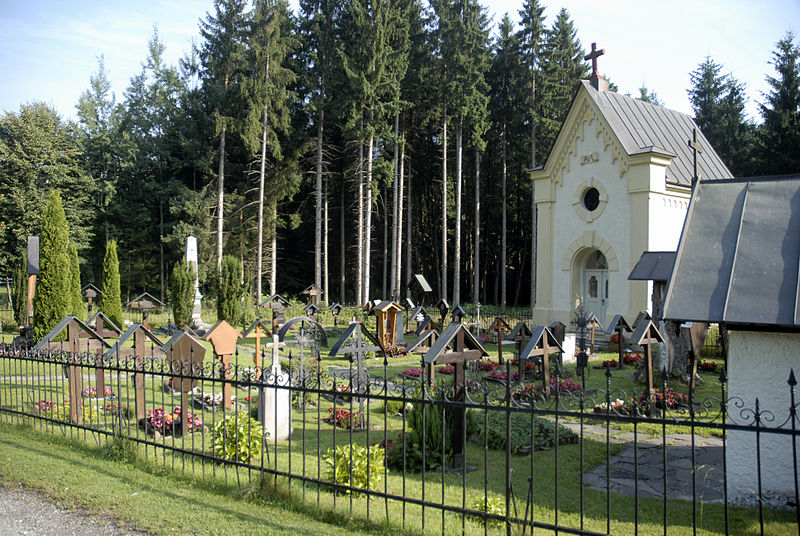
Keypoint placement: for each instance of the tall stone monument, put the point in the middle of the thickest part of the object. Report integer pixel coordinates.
(191, 260)
(275, 401)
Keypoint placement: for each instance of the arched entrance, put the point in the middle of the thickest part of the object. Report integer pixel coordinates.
(594, 283)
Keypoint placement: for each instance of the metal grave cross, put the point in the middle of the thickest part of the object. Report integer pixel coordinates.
(355, 342)
(593, 55)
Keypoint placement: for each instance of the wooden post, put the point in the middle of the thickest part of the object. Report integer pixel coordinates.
(223, 338)
(651, 394)
(31, 292)
(74, 373)
(138, 376)
(619, 346)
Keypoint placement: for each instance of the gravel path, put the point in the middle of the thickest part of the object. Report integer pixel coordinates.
(24, 512)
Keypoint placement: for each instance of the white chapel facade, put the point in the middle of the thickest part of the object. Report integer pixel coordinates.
(617, 183)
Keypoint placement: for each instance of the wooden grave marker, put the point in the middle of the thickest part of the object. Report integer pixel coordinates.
(618, 325)
(386, 313)
(456, 346)
(223, 338)
(314, 292)
(647, 335)
(278, 305)
(185, 355)
(541, 344)
(443, 307)
(140, 335)
(594, 323)
(499, 325)
(258, 329)
(74, 327)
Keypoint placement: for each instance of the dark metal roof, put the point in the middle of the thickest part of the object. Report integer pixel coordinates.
(62, 326)
(446, 338)
(321, 333)
(739, 253)
(107, 322)
(111, 352)
(618, 322)
(653, 266)
(643, 128)
(539, 333)
(352, 331)
(258, 322)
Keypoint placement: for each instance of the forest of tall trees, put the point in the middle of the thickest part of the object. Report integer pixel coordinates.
(350, 144)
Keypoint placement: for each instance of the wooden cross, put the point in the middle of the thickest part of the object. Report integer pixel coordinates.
(499, 325)
(593, 55)
(696, 148)
(223, 338)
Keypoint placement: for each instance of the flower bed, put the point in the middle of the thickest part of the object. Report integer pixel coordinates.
(487, 366)
(707, 366)
(413, 372)
(632, 359)
(343, 418)
(673, 398)
(610, 363)
(91, 392)
(165, 423)
(529, 365)
(502, 375)
(447, 369)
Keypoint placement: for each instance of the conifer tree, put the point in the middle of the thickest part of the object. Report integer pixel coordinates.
(76, 298)
(780, 134)
(19, 293)
(111, 299)
(52, 300)
(181, 293)
(230, 291)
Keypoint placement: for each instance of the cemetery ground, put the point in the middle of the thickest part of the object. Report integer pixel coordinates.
(297, 466)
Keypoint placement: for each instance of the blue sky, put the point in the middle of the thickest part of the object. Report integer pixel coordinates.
(50, 48)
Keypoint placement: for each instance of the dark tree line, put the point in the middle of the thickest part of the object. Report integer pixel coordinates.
(348, 145)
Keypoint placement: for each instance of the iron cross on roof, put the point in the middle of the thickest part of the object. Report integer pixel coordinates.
(593, 55)
(696, 148)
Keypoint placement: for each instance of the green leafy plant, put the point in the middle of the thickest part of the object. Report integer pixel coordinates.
(544, 432)
(238, 437)
(111, 298)
(230, 290)
(494, 505)
(74, 287)
(393, 407)
(364, 463)
(19, 292)
(51, 302)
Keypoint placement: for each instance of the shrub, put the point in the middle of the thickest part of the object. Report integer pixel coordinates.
(182, 293)
(111, 298)
(494, 505)
(238, 437)
(51, 302)
(365, 464)
(544, 434)
(230, 290)
(435, 437)
(393, 407)
(343, 418)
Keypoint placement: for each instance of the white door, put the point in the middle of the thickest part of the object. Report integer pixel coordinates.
(595, 292)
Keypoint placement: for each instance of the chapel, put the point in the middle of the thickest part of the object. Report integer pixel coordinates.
(617, 183)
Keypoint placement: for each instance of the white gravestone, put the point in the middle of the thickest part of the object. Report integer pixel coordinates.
(569, 348)
(191, 260)
(274, 402)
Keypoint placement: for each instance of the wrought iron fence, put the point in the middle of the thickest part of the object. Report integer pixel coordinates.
(499, 454)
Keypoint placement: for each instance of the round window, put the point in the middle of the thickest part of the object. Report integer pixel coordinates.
(591, 199)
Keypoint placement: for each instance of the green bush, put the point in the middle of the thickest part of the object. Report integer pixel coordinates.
(431, 428)
(393, 407)
(494, 505)
(230, 291)
(51, 302)
(544, 434)
(110, 301)
(366, 464)
(238, 437)
(182, 293)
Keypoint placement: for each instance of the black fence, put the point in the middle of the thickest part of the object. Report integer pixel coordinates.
(491, 456)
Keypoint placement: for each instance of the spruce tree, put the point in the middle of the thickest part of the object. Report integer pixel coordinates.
(75, 297)
(181, 293)
(780, 133)
(52, 300)
(110, 299)
(19, 293)
(230, 291)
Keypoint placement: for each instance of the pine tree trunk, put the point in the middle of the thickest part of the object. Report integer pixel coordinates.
(398, 276)
(273, 275)
(408, 228)
(220, 193)
(504, 225)
(318, 207)
(444, 208)
(342, 264)
(476, 282)
(533, 192)
(368, 224)
(325, 267)
(360, 247)
(457, 238)
(384, 264)
(395, 186)
(261, 180)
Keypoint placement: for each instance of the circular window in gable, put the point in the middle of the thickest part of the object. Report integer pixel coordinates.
(591, 199)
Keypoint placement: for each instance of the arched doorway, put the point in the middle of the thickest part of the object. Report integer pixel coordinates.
(594, 283)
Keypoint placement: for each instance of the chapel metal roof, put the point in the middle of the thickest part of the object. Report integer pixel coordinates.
(737, 261)
(642, 128)
(653, 266)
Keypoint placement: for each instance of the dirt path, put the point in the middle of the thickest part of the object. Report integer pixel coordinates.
(25, 512)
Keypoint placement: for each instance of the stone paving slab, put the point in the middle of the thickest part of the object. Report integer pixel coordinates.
(645, 464)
